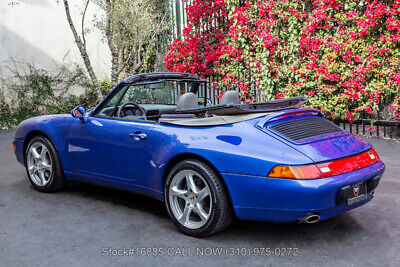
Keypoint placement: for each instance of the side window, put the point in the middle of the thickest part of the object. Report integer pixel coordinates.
(109, 107)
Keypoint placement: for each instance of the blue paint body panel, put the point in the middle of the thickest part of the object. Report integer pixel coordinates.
(284, 200)
(102, 151)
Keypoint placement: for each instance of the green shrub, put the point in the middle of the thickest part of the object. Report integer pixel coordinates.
(30, 92)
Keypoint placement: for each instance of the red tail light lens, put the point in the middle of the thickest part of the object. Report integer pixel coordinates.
(325, 169)
(349, 164)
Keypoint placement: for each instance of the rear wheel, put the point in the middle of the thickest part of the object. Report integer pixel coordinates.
(43, 165)
(196, 199)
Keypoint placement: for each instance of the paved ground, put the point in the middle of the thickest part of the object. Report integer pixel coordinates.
(78, 225)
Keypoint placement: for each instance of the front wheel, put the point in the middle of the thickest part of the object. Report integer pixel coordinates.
(43, 165)
(196, 199)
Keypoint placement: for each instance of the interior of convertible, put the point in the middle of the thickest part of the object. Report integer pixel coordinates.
(182, 102)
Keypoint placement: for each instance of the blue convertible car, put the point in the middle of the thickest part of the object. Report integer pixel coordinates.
(269, 161)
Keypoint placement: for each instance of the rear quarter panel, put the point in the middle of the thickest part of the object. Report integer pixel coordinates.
(237, 148)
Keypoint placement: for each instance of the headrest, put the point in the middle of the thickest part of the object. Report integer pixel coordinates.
(230, 98)
(187, 101)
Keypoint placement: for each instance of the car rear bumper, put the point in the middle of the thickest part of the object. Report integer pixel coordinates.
(284, 200)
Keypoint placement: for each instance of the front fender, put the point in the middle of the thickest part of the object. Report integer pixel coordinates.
(55, 127)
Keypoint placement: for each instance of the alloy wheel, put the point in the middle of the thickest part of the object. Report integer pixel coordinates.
(39, 164)
(190, 199)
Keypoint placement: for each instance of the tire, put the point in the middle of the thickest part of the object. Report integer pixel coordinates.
(47, 165)
(209, 214)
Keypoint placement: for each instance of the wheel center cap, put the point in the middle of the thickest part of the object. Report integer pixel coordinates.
(191, 198)
(40, 164)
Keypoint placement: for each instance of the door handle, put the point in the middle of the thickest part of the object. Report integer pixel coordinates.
(138, 136)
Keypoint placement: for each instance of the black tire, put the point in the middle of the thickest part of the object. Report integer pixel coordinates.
(221, 212)
(57, 180)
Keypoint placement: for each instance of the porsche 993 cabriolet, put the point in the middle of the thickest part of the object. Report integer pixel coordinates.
(159, 134)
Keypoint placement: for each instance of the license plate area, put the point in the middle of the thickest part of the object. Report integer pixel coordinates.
(347, 192)
(356, 193)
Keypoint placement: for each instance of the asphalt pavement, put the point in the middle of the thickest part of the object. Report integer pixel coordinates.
(87, 225)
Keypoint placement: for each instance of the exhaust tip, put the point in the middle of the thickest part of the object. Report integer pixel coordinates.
(309, 218)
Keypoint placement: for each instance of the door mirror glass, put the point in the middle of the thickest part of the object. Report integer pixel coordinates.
(79, 112)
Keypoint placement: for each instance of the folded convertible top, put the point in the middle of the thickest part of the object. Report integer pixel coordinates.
(228, 114)
(258, 107)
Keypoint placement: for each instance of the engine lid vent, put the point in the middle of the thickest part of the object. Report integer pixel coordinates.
(300, 129)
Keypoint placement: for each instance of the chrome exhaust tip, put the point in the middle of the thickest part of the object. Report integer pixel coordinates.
(309, 218)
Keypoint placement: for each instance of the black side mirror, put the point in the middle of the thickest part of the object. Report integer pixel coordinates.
(80, 112)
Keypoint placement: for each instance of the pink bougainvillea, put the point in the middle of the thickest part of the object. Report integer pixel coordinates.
(343, 55)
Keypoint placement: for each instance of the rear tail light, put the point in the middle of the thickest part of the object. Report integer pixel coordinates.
(325, 169)
(349, 164)
(295, 172)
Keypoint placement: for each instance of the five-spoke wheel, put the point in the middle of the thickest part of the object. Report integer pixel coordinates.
(43, 165)
(196, 199)
(39, 164)
(190, 199)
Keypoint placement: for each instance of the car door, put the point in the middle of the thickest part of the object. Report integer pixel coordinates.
(108, 149)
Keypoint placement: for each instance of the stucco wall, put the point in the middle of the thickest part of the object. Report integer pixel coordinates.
(37, 31)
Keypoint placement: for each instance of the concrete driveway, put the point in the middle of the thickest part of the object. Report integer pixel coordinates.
(87, 225)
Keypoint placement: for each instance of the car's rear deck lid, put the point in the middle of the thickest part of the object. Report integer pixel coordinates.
(302, 130)
(307, 131)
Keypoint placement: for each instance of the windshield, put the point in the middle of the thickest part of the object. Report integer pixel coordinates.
(156, 97)
(161, 92)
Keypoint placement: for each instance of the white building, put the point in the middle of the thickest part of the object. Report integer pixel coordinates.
(37, 31)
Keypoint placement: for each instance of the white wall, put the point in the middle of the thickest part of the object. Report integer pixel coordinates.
(37, 31)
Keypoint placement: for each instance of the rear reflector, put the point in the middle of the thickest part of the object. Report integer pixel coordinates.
(326, 169)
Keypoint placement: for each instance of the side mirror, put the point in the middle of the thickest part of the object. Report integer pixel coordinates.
(79, 112)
